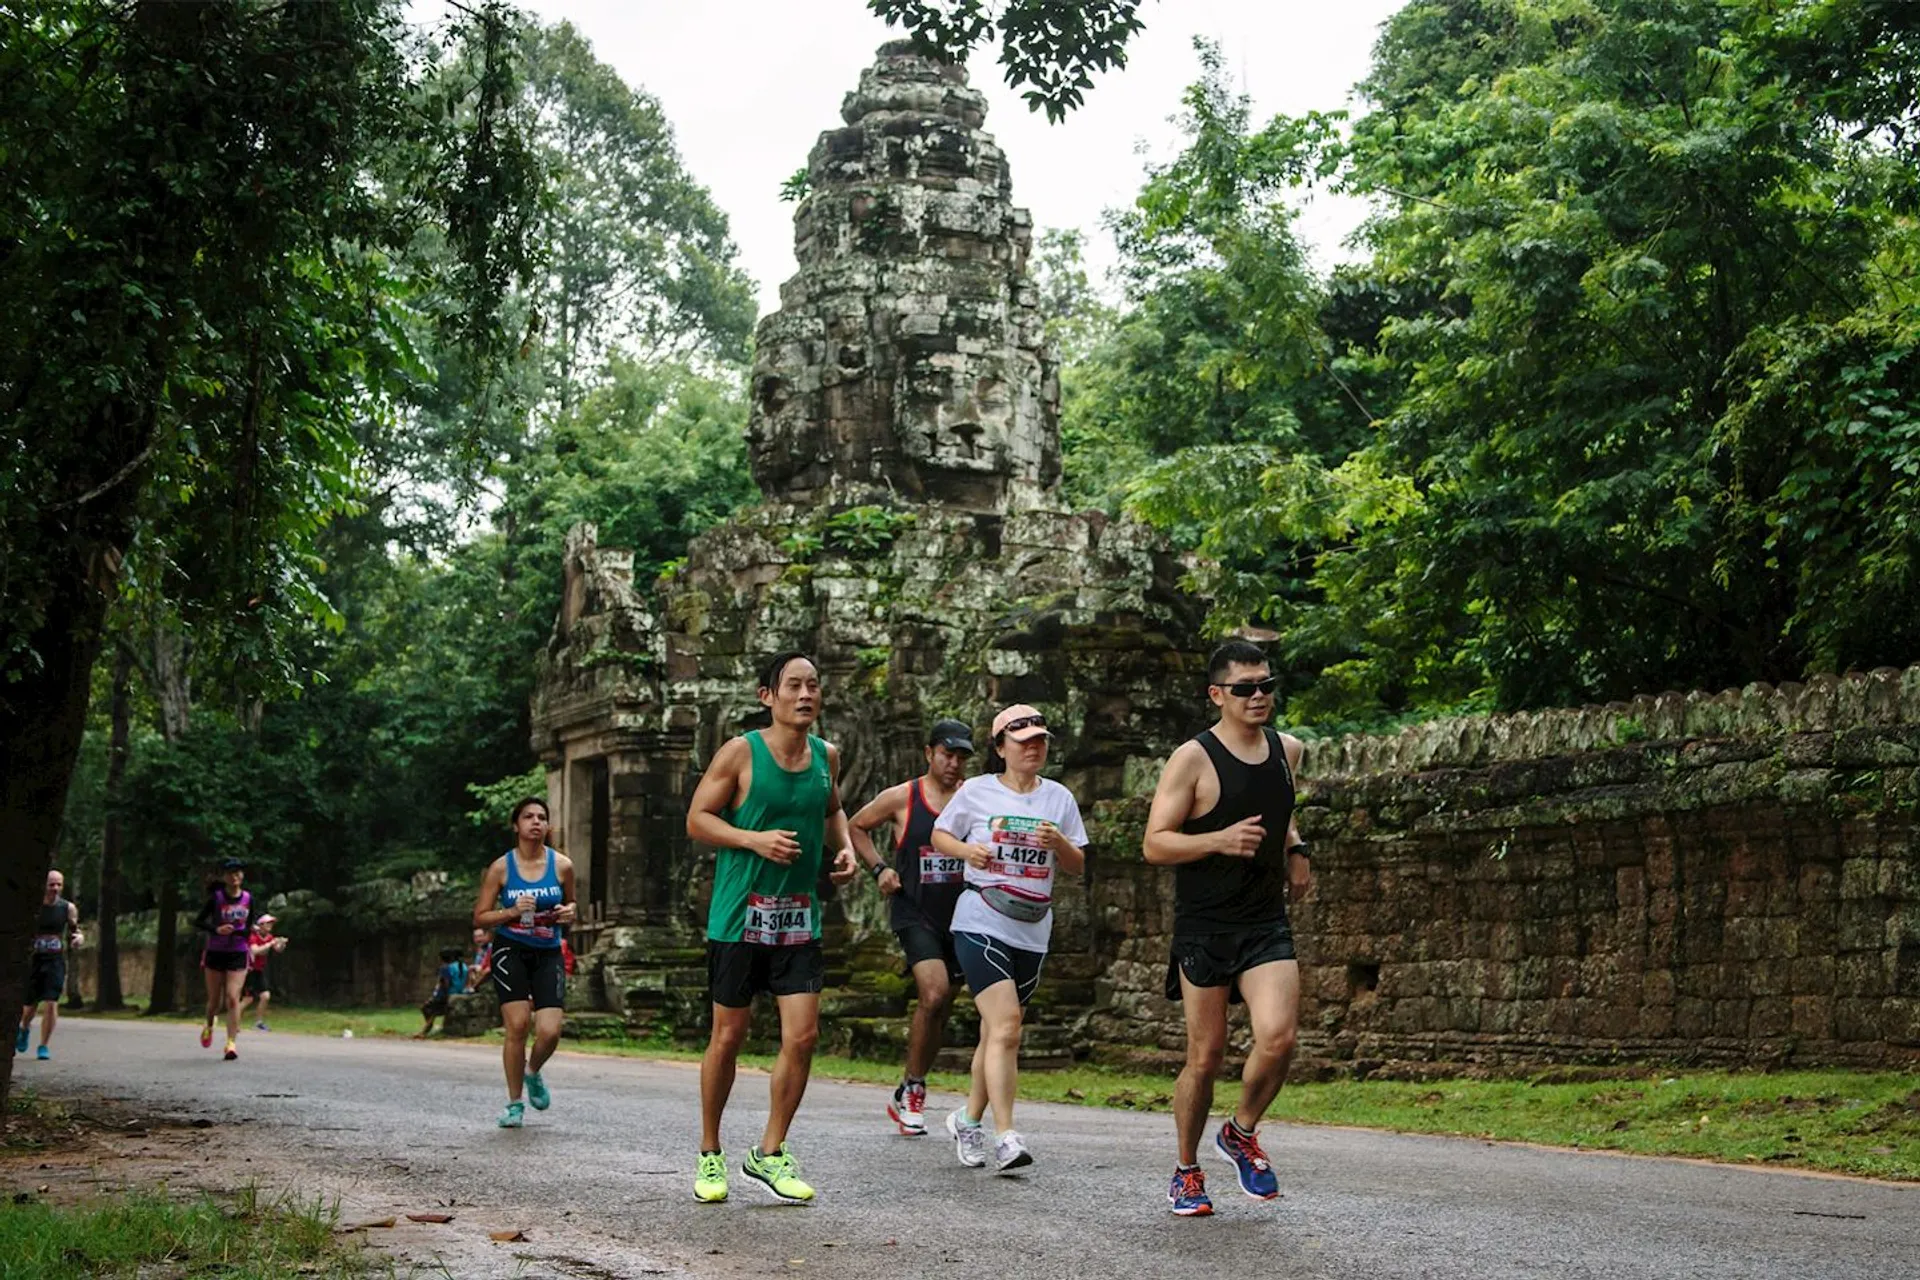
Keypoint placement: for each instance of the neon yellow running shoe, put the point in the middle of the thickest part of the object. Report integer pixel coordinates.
(777, 1173)
(710, 1180)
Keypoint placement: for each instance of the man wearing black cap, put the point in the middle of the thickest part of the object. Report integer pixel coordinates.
(924, 885)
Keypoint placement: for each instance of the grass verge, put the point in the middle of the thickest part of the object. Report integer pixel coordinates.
(146, 1233)
(1851, 1122)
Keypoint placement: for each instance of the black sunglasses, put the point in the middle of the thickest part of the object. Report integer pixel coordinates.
(1247, 688)
(1024, 722)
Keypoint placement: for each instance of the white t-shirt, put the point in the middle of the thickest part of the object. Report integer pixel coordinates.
(986, 811)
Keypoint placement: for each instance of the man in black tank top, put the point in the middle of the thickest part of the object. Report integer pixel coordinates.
(1223, 819)
(56, 931)
(921, 887)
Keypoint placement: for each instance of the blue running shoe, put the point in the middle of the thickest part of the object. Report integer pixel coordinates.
(514, 1116)
(20, 1039)
(1243, 1151)
(1188, 1194)
(44, 1053)
(537, 1092)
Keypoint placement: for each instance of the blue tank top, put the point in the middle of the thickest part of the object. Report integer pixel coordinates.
(547, 897)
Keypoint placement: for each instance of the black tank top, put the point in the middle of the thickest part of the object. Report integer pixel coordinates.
(52, 921)
(1219, 893)
(922, 902)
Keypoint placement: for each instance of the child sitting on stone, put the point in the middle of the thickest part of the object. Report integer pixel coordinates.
(450, 978)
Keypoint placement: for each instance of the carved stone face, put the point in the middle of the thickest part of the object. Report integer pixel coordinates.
(906, 355)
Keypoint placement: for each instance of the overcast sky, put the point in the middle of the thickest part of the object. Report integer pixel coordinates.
(749, 85)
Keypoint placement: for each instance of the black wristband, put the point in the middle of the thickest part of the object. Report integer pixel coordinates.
(876, 869)
(1304, 849)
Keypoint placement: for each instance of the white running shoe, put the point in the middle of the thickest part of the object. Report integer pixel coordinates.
(969, 1140)
(1011, 1153)
(908, 1109)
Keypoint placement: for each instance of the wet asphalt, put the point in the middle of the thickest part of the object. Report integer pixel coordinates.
(613, 1160)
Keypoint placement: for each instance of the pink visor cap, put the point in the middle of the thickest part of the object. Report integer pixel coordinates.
(1021, 723)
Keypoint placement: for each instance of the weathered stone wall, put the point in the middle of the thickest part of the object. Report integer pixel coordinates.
(378, 946)
(1730, 878)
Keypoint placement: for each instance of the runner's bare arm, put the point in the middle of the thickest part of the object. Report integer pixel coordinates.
(977, 855)
(74, 936)
(887, 808)
(1165, 844)
(1299, 866)
(714, 796)
(1069, 855)
(845, 867)
(487, 913)
(564, 914)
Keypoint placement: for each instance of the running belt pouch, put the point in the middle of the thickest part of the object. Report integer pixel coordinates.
(1012, 905)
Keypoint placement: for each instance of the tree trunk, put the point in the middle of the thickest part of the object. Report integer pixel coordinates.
(173, 690)
(42, 718)
(106, 983)
(165, 945)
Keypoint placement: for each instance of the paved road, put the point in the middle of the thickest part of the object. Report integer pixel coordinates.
(614, 1157)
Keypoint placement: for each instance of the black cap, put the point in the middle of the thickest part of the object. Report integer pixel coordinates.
(232, 864)
(954, 735)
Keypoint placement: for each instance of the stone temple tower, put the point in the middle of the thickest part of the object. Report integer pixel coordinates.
(907, 353)
(909, 537)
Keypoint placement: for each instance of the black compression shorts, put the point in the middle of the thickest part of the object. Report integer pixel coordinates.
(536, 974)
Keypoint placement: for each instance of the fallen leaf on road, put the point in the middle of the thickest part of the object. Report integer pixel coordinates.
(507, 1237)
(429, 1217)
(892, 1241)
(370, 1223)
(1076, 1095)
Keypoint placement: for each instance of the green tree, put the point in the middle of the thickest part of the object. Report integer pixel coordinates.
(185, 327)
(1052, 49)
(1613, 225)
(1635, 341)
(638, 257)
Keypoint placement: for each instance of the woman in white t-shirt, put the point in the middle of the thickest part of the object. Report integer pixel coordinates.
(1015, 829)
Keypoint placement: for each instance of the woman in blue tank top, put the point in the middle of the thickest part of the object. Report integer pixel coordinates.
(526, 898)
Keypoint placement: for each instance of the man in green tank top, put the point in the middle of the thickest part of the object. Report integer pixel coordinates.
(769, 804)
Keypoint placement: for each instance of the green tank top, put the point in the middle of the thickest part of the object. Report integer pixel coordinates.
(755, 900)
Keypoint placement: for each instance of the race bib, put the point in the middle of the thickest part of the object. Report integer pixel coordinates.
(46, 944)
(1018, 848)
(775, 921)
(938, 868)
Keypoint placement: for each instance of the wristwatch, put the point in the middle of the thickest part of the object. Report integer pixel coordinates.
(1304, 849)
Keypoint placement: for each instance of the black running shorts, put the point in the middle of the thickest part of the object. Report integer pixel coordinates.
(536, 974)
(738, 971)
(223, 961)
(257, 984)
(1217, 959)
(918, 943)
(46, 980)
